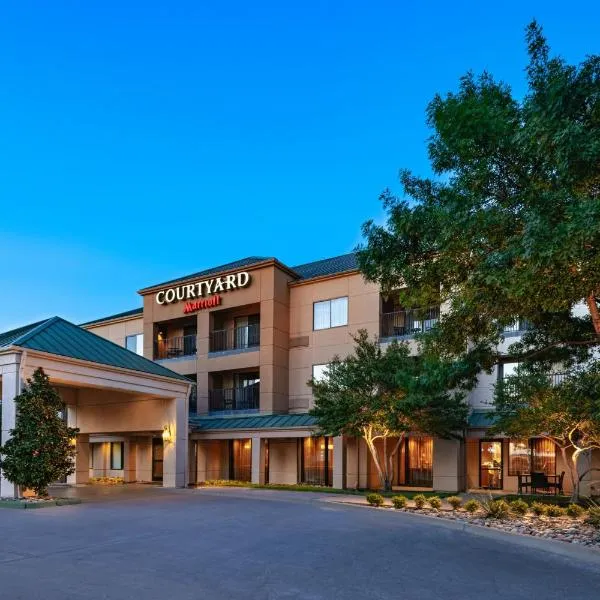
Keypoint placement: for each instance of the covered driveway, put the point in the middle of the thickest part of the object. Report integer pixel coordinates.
(118, 400)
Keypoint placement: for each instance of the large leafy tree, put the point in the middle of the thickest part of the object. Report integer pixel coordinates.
(566, 412)
(510, 225)
(382, 394)
(40, 449)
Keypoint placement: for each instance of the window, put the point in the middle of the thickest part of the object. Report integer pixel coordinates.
(490, 464)
(535, 455)
(116, 455)
(519, 457)
(330, 313)
(319, 372)
(135, 343)
(316, 456)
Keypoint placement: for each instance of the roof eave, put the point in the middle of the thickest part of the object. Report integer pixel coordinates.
(250, 267)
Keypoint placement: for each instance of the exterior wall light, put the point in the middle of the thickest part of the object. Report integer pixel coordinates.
(166, 435)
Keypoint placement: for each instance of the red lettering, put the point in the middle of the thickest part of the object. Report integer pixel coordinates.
(201, 304)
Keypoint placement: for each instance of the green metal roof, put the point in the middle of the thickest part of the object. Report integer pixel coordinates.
(303, 420)
(481, 418)
(57, 336)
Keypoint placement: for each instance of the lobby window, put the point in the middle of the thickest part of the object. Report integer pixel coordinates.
(116, 455)
(316, 461)
(319, 372)
(534, 455)
(330, 313)
(135, 343)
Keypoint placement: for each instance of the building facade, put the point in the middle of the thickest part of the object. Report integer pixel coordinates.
(250, 335)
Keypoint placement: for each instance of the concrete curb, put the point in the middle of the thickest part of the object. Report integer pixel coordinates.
(580, 552)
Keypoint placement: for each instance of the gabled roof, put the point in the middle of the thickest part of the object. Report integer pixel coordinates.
(128, 313)
(327, 266)
(320, 268)
(236, 264)
(303, 420)
(57, 336)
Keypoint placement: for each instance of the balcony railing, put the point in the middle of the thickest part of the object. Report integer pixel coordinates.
(175, 347)
(408, 322)
(518, 325)
(238, 338)
(242, 398)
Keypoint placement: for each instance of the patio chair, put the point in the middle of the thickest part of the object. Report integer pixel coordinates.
(539, 481)
(558, 484)
(523, 482)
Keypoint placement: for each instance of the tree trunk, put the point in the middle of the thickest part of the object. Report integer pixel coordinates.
(572, 468)
(594, 312)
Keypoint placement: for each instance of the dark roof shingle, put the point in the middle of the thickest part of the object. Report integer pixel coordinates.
(327, 266)
(122, 315)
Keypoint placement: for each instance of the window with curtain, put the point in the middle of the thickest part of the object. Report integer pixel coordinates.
(519, 457)
(116, 455)
(135, 343)
(543, 456)
(526, 456)
(317, 461)
(330, 313)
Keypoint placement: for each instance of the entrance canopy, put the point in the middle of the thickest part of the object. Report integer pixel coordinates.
(107, 390)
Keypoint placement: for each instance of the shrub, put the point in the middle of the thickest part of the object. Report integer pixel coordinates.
(553, 510)
(399, 501)
(496, 509)
(454, 501)
(471, 506)
(435, 502)
(593, 516)
(539, 509)
(519, 507)
(419, 501)
(574, 510)
(375, 499)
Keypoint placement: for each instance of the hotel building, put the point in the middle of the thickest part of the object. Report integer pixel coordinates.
(207, 380)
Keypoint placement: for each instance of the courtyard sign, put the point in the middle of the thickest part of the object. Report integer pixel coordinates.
(196, 293)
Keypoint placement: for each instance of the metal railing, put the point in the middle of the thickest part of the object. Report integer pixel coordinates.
(175, 347)
(237, 338)
(408, 322)
(518, 325)
(242, 398)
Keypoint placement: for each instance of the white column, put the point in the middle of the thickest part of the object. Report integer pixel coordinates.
(175, 452)
(258, 460)
(339, 462)
(82, 449)
(448, 472)
(11, 387)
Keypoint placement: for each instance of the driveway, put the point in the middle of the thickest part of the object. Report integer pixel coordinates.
(152, 543)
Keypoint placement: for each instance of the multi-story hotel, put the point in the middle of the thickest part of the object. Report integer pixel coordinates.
(208, 380)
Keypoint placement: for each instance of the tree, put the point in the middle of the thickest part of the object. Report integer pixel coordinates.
(509, 228)
(566, 412)
(40, 449)
(386, 393)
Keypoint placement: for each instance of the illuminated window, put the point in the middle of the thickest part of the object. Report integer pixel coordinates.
(490, 461)
(535, 455)
(317, 461)
(135, 343)
(116, 455)
(330, 313)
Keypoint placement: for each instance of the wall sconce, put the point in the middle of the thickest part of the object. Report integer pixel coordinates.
(166, 435)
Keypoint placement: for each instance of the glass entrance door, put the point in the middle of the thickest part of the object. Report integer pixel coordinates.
(490, 464)
(157, 459)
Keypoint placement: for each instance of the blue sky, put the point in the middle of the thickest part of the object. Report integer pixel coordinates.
(141, 141)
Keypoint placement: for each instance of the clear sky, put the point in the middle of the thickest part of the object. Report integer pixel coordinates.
(141, 141)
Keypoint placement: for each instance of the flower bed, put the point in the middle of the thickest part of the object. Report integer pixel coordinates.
(513, 518)
(106, 480)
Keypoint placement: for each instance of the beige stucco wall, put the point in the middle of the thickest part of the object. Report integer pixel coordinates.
(117, 331)
(323, 345)
(283, 461)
